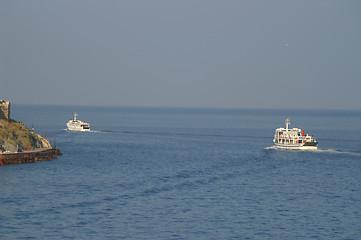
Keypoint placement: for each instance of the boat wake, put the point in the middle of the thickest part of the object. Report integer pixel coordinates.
(324, 150)
(270, 148)
(294, 150)
(91, 131)
(337, 151)
(95, 131)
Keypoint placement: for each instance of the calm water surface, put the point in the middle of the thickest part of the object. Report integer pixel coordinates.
(158, 173)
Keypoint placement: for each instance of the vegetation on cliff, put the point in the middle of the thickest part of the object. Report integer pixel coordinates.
(15, 137)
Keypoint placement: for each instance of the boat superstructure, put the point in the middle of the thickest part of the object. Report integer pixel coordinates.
(77, 125)
(293, 139)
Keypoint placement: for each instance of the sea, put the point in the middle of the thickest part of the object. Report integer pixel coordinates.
(185, 173)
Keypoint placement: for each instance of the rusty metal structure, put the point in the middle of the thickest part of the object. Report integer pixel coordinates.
(29, 156)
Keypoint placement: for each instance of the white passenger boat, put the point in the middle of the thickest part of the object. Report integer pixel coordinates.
(77, 125)
(293, 139)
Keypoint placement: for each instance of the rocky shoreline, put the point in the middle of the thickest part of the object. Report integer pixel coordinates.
(19, 144)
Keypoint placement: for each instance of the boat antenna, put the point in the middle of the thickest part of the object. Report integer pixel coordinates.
(287, 123)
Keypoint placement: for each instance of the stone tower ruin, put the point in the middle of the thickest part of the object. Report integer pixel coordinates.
(5, 110)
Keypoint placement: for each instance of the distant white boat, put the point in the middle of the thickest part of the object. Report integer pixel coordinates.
(293, 139)
(77, 125)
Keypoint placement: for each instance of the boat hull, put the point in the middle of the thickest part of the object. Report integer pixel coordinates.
(296, 146)
(77, 128)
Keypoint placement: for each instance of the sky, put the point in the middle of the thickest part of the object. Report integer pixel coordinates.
(187, 53)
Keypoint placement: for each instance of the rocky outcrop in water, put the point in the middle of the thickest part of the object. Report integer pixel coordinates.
(16, 137)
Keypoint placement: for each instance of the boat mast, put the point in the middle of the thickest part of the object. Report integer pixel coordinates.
(287, 123)
(75, 115)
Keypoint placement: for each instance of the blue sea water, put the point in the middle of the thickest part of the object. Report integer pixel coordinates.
(176, 173)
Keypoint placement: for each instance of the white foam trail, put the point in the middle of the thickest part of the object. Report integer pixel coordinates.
(336, 151)
(270, 148)
(293, 150)
(325, 150)
(91, 131)
(95, 131)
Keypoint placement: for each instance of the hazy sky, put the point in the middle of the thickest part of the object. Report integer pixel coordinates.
(186, 53)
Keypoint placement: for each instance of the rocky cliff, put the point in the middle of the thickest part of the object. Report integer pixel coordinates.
(16, 137)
